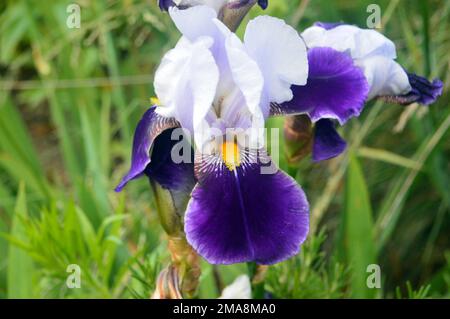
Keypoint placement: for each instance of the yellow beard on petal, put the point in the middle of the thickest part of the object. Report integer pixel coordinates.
(230, 155)
(155, 101)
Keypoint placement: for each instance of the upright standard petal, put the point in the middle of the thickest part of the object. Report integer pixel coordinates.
(336, 88)
(327, 142)
(246, 74)
(195, 22)
(240, 83)
(240, 215)
(281, 55)
(148, 129)
(186, 82)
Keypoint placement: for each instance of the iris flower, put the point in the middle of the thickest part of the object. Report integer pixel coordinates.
(235, 213)
(213, 85)
(335, 100)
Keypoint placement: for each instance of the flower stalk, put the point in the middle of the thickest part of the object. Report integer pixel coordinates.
(187, 262)
(257, 274)
(182, 276)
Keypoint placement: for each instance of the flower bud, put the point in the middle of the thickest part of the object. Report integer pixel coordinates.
(298, 134)
(168, 208)
(167, 285)
(230, 12)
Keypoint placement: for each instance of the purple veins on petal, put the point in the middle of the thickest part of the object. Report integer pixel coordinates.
(242, 215)
(328, 25)
(336, 87)
(327, 141)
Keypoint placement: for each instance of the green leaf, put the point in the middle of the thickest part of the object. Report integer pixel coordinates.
(388, 157)
(20, 265)
(358, 230)
(3, 259)
(392, 206)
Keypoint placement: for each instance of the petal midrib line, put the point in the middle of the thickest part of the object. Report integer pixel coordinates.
(244, 218)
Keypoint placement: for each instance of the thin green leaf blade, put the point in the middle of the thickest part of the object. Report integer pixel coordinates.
(20, 265)
(358, 234)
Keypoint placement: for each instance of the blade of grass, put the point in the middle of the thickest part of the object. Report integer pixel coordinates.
(20, 265)
(17, 152)
(3, 259)
(392, 207)
(321, 205)
(387, 157)
(358, 229)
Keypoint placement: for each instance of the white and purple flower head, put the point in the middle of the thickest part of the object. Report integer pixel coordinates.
(335, 98)
(221, 89)
(211, 84)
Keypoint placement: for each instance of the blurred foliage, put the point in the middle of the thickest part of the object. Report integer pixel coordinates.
(309, 274)
(69, 101)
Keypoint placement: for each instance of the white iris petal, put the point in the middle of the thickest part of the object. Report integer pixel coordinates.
(280, 53)
(240, 288)
(213, 79)
(371, 50)
(186, 82)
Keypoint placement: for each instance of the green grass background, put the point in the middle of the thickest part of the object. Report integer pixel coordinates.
(69, 102)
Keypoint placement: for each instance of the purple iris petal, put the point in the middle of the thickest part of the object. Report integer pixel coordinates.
(327, 142)
(328, 25)
(422, 91)
(263, 4)
(170, 175)
(148, 129)
(336, 88)
(165, 4)
(243, 215)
